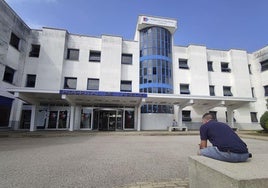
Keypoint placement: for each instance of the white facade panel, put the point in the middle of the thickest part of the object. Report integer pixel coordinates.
(51, 59)
(110, 72)
(198, 68)
(129, 71)
(241, 83)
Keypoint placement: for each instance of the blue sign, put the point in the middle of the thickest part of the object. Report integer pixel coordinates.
(102, 93)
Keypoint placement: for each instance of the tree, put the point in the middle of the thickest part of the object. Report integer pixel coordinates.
(264, 121)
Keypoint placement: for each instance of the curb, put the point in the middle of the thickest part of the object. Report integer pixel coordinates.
(173, 183)
(38, 134)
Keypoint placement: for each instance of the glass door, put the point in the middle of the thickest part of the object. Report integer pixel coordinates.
(25, 119)
(52, 121)
(62, 119)
(107, 119)
(119, 120)
(103, 120)
(86, 118)
(96, 114)
(111, 120)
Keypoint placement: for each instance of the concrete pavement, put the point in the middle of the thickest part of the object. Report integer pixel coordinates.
(101, 160)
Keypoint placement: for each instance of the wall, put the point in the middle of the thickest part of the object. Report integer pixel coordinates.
(82, 69)
(110, 71)
(14, 58)
(156, 121)
(131, 72)
(259, 79)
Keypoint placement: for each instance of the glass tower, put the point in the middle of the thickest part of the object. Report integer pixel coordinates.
(156, 65)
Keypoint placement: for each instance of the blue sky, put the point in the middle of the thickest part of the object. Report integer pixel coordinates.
(216, 24)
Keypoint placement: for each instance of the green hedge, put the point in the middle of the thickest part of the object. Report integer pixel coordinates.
(264, 121)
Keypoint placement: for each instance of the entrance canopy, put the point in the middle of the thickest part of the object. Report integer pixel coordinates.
(79, 97)
(202, 102)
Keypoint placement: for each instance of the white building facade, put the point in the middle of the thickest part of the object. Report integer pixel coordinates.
(54, 80)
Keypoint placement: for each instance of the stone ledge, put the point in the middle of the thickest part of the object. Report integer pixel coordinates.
(209, 173)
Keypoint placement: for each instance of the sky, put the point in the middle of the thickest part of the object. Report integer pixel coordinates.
(216, 24)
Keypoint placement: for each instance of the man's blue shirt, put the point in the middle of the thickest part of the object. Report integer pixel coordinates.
(223, 137)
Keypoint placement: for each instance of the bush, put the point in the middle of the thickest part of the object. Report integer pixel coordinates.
(264, 121)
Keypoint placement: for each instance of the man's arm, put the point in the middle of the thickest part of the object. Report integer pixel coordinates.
(203, 144)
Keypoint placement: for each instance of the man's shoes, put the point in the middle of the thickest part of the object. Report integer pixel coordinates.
(249, 155)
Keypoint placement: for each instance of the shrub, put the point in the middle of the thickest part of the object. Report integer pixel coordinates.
(264, 121)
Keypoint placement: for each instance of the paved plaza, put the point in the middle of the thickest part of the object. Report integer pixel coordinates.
(101, 160)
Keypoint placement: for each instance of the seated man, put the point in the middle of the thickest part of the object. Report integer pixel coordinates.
(226, 144)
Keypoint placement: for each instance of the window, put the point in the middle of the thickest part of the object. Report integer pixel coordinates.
(35, 50)
(212, 90)
(253, 116)
(186, 115)
(225, 67)
(70, 83)
(30, 82)
(126, 86)
(184, 89)
(210, 65)
(249, 69)
(227, 91)
(126, 59)
(266, 90)
(9, 75)
(183, 64)
(214, 114)
(73, 54)
(92, 84)
(154, 70)
(148, 108)
(264, 65)
(95, 56)
(14, 41)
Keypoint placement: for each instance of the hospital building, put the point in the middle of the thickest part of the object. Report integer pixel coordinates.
(51, 79)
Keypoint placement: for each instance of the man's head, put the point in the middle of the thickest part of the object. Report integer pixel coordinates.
(207, 117)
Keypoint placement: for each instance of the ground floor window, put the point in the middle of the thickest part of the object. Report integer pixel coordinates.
(186, 115)
(25, 119)
(129, 119)
(214, 113)
(56, 117)
(253, 116)
(52, 118)
(149, 108)
(86, 114)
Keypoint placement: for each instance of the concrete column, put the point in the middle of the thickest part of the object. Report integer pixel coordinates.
(15, 114)
(179, 116)
(176, 112)
(32, 124)
(72, 113)
(230, 117)
(138, 116)
(77, 117)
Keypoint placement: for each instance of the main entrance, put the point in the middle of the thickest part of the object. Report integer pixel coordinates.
(108, 119)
